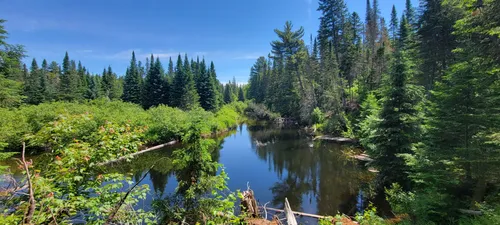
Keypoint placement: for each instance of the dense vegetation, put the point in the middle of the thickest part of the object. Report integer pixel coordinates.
(421, 95)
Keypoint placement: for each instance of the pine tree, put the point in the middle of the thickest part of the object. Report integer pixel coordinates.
(394, 25)
(410, 14)
(32, 87)
(184, 93)
(93, 89)
(464, 118)
(399, 128)
(190, 98)
(68, 80)
(54, 75)
(171, 71)
(108, 84)
(81, 81)
(154, 90)
(228, 97)
(241, 95)
(44, 81)
(436, 41)
(132, 83)
(206, 87)
(219, 89)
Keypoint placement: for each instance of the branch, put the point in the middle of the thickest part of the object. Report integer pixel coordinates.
(120, 203)
(31, 209)
(137, 153)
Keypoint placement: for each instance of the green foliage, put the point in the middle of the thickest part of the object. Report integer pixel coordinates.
(317, 117)
(70, 184)
(369, 217)
(11, 92)
(260, 112)
(201, 193)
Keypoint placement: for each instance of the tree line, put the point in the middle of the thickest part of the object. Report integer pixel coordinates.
(186, 85)
(420, 92)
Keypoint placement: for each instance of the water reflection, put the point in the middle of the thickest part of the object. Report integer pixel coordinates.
(277, 163)
(320, 171)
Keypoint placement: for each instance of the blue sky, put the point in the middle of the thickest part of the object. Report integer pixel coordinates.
(232, 33)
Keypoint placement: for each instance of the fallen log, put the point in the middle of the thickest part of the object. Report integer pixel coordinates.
(137, 153)
(297, 213)
(363, 157)
(335, 139)
(471, 212)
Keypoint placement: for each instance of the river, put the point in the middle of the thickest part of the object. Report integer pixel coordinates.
(316, 177)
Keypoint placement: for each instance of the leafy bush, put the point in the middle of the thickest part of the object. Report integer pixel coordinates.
(70, 185)
(260, 112)
(317, 116)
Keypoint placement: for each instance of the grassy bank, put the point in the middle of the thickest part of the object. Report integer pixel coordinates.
(162, 123)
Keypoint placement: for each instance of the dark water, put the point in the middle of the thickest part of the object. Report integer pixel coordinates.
(277, 163)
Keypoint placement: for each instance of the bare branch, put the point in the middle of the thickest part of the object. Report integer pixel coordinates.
(31, 209)
(120, 203)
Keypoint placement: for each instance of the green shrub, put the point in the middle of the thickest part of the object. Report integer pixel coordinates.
(260, 112)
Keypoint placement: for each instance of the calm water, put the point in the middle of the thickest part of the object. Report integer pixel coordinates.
(277, 163)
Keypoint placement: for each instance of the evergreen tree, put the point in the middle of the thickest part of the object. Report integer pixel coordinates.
(464, 119)
(81, 80)
(44, 81)
(108, 84)
(132, 83)
(393, 27)
(32, 86)
(399, 127)
(184, 93)
(228, 97)
(288, 44)
(93, 89)
(170, 71)
(54, 75)
(154, 90)
(206, 87)
(410, 14)
(241, 95)
(436, 41)
(68, 81)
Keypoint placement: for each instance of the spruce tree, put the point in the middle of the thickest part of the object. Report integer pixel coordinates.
(410, 14)
(154, 90)
(184, 93)
(81, 81)
(241, 95)
(228, 97)
(44, 81)
(190, 98)
(32, 87)
(436, 41)
(178, 84)
(394, 25)
(206, 87)
(464, 121)
(399, 128)
(68, 80)
(132, 83)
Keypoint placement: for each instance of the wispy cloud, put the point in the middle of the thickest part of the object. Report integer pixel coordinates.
(85, 51)
(251, 56)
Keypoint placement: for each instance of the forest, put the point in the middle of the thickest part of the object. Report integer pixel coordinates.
(419, 92)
